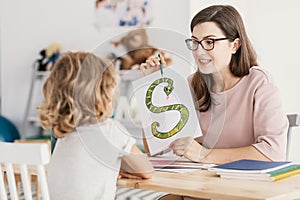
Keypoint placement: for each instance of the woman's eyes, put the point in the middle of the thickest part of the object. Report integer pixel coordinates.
(209, 42)
(195, 42)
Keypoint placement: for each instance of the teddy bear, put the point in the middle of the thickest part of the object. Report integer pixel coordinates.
(138, 49)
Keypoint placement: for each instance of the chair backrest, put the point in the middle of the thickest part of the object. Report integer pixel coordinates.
(294, 121)
(15, 158)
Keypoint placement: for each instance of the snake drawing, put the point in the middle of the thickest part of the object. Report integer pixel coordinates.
(184, 113)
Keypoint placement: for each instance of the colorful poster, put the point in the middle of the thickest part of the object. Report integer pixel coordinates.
(122, 13)
(166, 109)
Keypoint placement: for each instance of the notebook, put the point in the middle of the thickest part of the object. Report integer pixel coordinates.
(250, 166)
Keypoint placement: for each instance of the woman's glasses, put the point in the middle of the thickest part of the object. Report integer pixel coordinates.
(207, 44)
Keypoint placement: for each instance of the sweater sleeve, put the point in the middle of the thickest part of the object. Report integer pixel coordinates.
(270, 123)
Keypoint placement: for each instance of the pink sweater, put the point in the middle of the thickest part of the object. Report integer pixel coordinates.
(250, 113)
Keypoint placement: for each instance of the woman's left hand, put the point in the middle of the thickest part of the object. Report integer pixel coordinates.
(128, 175)
(189, 148)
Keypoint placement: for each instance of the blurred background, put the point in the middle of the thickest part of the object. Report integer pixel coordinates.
(29, 26)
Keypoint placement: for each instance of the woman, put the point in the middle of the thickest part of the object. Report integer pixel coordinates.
(238, 105)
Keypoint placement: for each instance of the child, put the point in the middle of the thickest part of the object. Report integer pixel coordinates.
(78, 101)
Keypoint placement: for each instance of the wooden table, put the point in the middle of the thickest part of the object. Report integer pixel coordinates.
(205, 184)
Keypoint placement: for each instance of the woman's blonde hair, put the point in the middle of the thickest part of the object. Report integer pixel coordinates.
(78, 91)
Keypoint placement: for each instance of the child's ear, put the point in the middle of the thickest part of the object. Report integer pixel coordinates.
(236, 45)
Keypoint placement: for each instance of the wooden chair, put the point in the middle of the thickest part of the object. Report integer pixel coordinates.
(294, 121)
(16, 158)
(33, 176)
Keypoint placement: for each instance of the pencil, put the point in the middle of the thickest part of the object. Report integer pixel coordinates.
(160, 66)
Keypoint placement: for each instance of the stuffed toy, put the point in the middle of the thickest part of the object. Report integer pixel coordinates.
(43, 61)
(49, 56)
(138, 49)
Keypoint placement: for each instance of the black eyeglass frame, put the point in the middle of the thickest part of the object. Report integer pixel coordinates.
(200, 42)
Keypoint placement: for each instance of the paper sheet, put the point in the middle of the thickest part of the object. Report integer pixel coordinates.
(176, 164)
(165, 116)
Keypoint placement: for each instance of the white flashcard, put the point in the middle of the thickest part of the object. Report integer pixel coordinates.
(166, 109)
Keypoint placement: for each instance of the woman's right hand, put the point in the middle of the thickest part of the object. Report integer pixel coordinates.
(189, 148)
(152, 64)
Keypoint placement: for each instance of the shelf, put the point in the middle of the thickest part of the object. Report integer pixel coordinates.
(42, 73)
(34, 120)
(131, 75)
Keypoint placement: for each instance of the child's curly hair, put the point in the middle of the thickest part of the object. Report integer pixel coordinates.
(78, 91)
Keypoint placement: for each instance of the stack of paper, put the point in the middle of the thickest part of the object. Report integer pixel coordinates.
(256, 170)
(179, 164)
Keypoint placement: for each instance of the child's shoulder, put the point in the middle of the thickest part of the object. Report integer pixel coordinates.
(117, 133)
(113, 124)
(109, 122)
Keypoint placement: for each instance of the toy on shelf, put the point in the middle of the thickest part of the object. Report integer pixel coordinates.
(138, 50)
(40, 72)
(49, 56)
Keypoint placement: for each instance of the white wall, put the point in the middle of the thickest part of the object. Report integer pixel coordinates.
(34, 24)
(273, 27)
(276, 38)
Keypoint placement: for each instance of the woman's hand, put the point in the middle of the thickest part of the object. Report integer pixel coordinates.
(153, 64)
(189, 148)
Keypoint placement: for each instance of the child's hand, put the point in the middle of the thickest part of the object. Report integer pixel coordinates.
(152, 64)
(127, 175)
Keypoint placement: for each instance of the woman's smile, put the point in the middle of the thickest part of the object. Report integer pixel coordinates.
(204, 61)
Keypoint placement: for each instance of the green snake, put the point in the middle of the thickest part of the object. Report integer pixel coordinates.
(184, 113)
